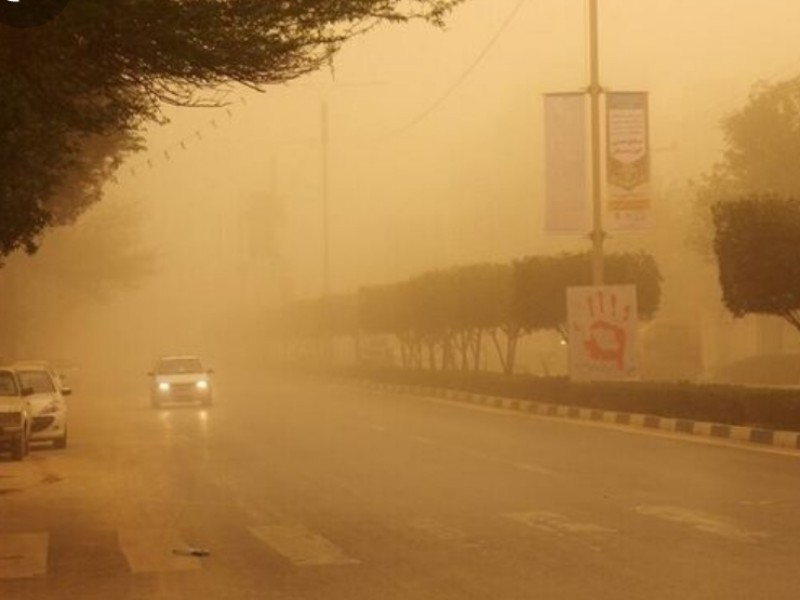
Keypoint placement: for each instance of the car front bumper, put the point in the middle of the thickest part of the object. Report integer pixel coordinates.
(183, 393)
(48, 427)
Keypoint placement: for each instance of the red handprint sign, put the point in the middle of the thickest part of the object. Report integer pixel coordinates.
(602, 332)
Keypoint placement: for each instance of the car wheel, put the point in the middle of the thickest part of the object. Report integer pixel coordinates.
(61, 442)
(19, 447)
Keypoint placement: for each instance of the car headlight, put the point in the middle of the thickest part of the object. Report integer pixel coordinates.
(51, 408)
(202, 384)
(163, 386)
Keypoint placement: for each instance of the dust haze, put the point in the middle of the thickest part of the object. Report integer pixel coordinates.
(435, 159)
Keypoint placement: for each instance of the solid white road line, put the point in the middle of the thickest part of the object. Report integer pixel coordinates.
(301, 546)
(152, 551)
(23, 555)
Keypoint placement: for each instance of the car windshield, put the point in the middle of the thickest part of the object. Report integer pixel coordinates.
(8, 387)
(176, 366)
(39, 381)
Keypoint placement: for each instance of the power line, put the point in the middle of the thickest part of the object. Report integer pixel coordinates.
(463, 76)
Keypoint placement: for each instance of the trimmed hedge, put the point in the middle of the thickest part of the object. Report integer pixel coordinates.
(769, 408)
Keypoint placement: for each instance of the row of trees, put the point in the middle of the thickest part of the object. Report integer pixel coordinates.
(442, 319)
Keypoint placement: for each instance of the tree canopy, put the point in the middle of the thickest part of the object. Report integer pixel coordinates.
(542, 282)
(75, 91)
(762, 142)
(756, 242)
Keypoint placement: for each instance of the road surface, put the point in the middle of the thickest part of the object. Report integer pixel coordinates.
(302, 490)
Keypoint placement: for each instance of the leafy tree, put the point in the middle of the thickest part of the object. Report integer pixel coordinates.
(81, 265)
(541, 284)
(489, 294)
(762, 142)
(104, 67)
(756, 243)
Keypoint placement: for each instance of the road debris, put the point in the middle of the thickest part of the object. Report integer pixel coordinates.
(199, 552)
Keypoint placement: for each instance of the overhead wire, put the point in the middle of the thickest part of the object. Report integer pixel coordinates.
(451, 89)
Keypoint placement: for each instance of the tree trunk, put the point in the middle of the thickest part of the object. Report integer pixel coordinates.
(511, 352)
(477, 349)
(507, 354)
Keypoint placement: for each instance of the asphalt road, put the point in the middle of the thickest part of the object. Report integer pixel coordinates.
(311, 491)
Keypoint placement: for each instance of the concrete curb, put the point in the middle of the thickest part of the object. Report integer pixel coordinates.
(753, 435)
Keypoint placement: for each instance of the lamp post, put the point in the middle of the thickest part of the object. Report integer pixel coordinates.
(595, 91)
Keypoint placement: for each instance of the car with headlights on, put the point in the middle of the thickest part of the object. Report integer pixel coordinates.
(15, 414)
(47, 400)
(180, 379)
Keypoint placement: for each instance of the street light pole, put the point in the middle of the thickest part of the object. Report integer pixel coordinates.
(595, 91)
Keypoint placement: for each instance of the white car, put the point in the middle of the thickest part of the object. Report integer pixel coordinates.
(15, 414)
(48, 407)
(178, 379)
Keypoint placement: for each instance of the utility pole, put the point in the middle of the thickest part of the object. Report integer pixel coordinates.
(326, 257)
(595, 91)
(325, 137)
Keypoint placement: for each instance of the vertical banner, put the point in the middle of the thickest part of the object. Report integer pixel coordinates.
(566, 181)
(628, 193)
(603, 323)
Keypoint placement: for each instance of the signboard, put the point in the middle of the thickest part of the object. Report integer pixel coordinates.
(602, 330)
(566, 154)
(628, 193)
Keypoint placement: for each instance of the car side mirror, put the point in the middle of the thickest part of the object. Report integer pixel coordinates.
(28, 391)
(66, 391)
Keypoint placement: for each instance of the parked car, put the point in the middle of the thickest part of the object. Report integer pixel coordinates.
(56, 374)
(178, 379)
(15, 414)
(48, 407)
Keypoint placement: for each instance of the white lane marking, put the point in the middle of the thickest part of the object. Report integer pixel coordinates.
(551, 522)
(301, 546)
(443, 533)
(423, 440)
(704, 522)
(151, 551)
(23, 555)
(533, 469)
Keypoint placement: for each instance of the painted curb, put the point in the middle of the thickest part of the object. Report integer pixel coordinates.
(753, 435)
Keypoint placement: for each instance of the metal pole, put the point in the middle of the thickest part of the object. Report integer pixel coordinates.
(326, 264)
(597, 235)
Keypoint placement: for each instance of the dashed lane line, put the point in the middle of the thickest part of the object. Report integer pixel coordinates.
(703, 522)
(443, 533)
(301, 546)
(550, 522)
(153, 551)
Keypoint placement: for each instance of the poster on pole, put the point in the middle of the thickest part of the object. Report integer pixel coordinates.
(566, 155)
(602, 328)
(628, 177)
